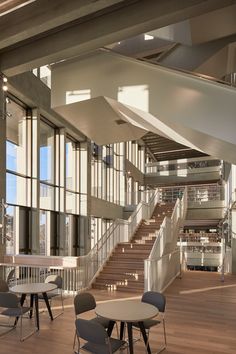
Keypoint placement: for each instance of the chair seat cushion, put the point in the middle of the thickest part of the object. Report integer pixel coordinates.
(103, 349)
(15, 312)
(148, 323)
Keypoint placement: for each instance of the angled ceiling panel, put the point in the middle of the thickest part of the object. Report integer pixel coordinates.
(100, 121)
(192, 111)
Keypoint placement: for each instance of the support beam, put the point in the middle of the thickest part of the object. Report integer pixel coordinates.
(132, 19)
(45, 15)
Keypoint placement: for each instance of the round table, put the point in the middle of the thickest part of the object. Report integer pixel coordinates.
(129, 311)
(33, 289)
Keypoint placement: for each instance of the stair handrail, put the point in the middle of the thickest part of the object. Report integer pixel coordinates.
(143, 210)
(119, 231)
(165, 245)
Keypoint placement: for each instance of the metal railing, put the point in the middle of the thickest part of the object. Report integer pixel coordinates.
(205, 193)
(195, 165)
(159, 273)
(78, 272)
(120, 231)
(33, 269)
(163, 264)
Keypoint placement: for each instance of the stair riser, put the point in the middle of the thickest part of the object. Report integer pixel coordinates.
(126, 259)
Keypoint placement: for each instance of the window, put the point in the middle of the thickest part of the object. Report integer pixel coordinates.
(18, 176)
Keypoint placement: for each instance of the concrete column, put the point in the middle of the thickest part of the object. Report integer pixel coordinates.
(85, 188)
(34, 242)
(233, 241)
(2, 161)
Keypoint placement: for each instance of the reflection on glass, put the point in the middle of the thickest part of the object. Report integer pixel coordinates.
(72, 177)
(47, 151)
(71, 165)
(18, 190)
(67, 234)
(47, 197)
(10, 229)
(72, 202)
(18, 142)
(43, 231)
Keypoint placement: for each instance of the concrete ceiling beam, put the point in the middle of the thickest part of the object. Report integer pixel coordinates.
(44, 15)
(135, 18)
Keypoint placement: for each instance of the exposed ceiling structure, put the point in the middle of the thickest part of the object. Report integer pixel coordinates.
(164, 149)
(46, 32)
(7, 6)
(192, 35)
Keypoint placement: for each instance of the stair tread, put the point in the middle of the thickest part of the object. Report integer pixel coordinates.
(124, 270)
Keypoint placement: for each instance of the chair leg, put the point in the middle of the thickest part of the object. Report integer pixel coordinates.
(29, 334)
(62, 307)
(74, 350)
(164, 334)
(164, 329)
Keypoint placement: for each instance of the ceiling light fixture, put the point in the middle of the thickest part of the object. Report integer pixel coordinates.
(4, 82)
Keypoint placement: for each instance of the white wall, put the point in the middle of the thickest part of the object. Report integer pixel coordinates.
(201, 111)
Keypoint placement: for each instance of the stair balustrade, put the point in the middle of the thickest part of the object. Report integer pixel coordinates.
(163, 264)
(120, 231)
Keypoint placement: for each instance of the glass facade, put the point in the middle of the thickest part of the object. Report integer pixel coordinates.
(18, 176)
(107, 172)
(110, 178)
(47, 183)
(98, 228)
(72, 176)
(43, 185)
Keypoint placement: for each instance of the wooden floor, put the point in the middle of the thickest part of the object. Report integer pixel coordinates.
(200, 319)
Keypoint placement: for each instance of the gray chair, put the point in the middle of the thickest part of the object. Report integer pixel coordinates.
(96, 337)
(84, 302)
(159, 301)
(57, 280)
(11, 277)
(4, 288)
(11, 308)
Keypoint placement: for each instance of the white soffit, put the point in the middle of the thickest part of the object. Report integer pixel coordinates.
(150, 123)
(192, 111)
(101, 121)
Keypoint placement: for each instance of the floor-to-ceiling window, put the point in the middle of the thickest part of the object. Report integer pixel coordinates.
(107, 172)
(73, 196)
(46, 188)
(98, 228)
(18, 177)
(135, 154)
(49, 187)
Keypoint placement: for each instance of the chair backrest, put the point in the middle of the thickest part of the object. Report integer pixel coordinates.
(54, 279)
(91, 331)
(9, 300)
(4, 288)
(11, 276)
(84, 302)
(156, 299)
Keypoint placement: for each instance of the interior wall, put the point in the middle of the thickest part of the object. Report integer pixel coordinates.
(101, 208)
(201, 111)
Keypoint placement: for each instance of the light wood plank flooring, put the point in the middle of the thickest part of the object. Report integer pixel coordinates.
(200, 319)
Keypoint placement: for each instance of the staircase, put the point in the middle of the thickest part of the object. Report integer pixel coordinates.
(124, 270)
